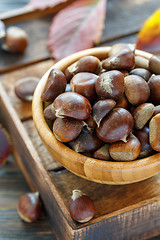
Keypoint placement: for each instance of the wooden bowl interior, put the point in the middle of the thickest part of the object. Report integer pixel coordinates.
(105, 172)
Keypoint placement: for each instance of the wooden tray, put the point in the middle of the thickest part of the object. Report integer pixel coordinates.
(122, 212)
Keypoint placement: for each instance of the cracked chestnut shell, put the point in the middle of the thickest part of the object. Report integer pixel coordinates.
(116, 126)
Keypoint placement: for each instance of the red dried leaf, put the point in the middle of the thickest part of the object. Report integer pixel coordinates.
(149, 35)
(40, 4)
(76, 27)
(5, 145)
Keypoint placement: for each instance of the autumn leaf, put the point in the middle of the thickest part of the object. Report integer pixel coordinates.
(149, 36)
(41, 4)
(76, 27)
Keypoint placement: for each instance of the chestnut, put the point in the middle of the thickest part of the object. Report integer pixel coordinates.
(125, 151)
(56, 84)
(122, 102)
(67, 129)
(142, 114)
(143, 137)
(85, 64)
(154, 64)
(101, 109)
(154, 132)
(84, 84)
(68, 75)
(136, 89)
(110, 85)
(72, 105)
(86, 141)
(156, 110)
(81, 207)
(123, 59)
(16, 40)
(116, 126)
(142, 72)
(154, 85)
(30, 207)
(119, 46)
(141, 62)
(25, 87)
(49, 112)
(90, 123)
(103, 153)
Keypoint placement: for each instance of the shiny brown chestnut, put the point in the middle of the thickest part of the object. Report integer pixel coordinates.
(30, 207)
(68, 75)
(123, 59)
(154, 132)
(102, 153)
(142, 72)
(156, 110)
(143, 137)
(90, 123)
(101, 109)
(16, 40)
(136, 89)
(81, 207)
(85, 64)
(72, 105)
(154, 85)
(142, 114)
(67, 129)
(49, 112)
(25, 87)
(125, 151)
(119, 46)
(84, 84)
(56, 84)
(110, 85)
(116, 126)
(154, 64)
(86, 141)
(122, 102)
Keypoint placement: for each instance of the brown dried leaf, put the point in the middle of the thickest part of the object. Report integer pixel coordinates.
(76, 27)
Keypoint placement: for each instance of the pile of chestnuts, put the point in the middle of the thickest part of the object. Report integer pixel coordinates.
(109, 109)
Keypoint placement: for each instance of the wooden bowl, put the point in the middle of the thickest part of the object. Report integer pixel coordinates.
(99, 171)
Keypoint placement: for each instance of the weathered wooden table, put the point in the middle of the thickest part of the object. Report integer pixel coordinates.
(124, 19)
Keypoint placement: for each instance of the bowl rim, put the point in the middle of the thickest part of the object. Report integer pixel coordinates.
(90, 168)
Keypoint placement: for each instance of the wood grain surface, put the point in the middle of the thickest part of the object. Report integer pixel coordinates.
(12, 186)
(133, 207)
